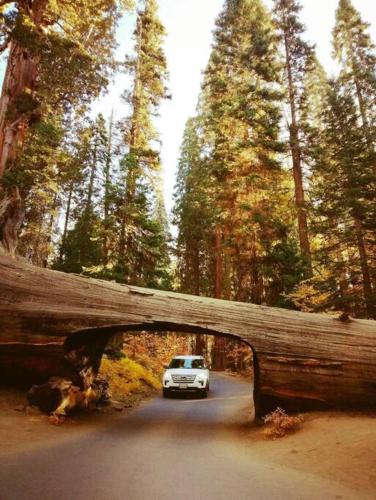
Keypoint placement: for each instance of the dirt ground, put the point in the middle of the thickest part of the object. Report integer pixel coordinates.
(340, 446)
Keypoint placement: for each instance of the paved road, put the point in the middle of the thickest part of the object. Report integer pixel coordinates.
(175, 449)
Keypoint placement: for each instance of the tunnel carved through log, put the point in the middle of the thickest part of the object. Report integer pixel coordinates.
(305, 361)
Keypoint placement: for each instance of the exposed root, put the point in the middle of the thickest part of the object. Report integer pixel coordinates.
(60, 396)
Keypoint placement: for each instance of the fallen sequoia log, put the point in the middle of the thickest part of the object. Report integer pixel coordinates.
(56, 324)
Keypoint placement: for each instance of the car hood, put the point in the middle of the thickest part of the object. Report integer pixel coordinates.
(187, 371)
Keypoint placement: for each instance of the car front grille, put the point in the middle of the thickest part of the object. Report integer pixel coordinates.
(183, 379)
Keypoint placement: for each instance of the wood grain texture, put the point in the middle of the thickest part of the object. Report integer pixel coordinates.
(302, 360)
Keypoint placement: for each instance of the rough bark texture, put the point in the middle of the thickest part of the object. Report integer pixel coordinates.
(18, 107)
(56, 324)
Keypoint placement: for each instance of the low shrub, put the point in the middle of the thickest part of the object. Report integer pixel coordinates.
(127, 377)
(278, 423)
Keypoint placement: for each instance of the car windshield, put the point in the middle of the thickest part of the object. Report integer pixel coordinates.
(187, 363)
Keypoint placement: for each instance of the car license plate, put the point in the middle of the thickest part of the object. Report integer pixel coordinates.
(183, 386)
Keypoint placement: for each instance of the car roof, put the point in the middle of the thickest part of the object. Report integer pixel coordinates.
(189, 357)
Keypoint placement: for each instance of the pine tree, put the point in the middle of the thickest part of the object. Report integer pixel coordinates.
(345, 194)
(232, 195)
(43, 160)
(82, 246)
(140, 231)
(192, 213)
(242, 119)
(59, 54)
(355, 51)
(109, 194)
(313, 101)
(298, 62)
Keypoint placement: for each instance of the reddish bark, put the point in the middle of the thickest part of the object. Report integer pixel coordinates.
(219, 342)
(56, 324)
(20, 82)
(218, 266)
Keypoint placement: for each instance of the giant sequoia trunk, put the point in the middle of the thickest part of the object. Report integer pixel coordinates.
(17, 108)
(58, 324)
(19, 80)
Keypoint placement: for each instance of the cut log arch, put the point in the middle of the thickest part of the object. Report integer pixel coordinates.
(84, 338)
(304, 360)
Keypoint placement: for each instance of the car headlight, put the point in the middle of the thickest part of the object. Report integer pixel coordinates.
(167, 376)
(202, 378)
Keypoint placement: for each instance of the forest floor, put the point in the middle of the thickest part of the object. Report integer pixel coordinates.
(336, 446)
(333, 446)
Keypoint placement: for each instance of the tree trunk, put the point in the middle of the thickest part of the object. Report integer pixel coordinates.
(90, 191)
(200, 344)
(107, 185)
(218, 267)
(256, 279)
(218, 352)
(66, 222)
(11, 218)
(126, 238)
(53, 323)
(367, 286)
(196, 269)
(297, 167)
(19, 84)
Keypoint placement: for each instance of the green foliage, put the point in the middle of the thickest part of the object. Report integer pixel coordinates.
(344, 193)
(141, 255)
(231, 189)
(92, 189)
(115, 222)
(82, 246)
(356, 54)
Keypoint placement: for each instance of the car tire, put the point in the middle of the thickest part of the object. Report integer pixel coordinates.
(166, 393)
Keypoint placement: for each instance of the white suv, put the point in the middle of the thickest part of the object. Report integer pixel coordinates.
(186, 374)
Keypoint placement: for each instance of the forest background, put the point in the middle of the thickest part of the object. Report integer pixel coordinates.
(274, 198)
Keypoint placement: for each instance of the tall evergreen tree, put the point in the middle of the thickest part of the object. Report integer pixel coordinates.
(59, 53)
(242, 124)
(109, 193)
(298, 60)
(229, 173)
(140, 230)
(356, 54)
(82, 246)
(345, 194)
(192, 213)
(44, 161)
